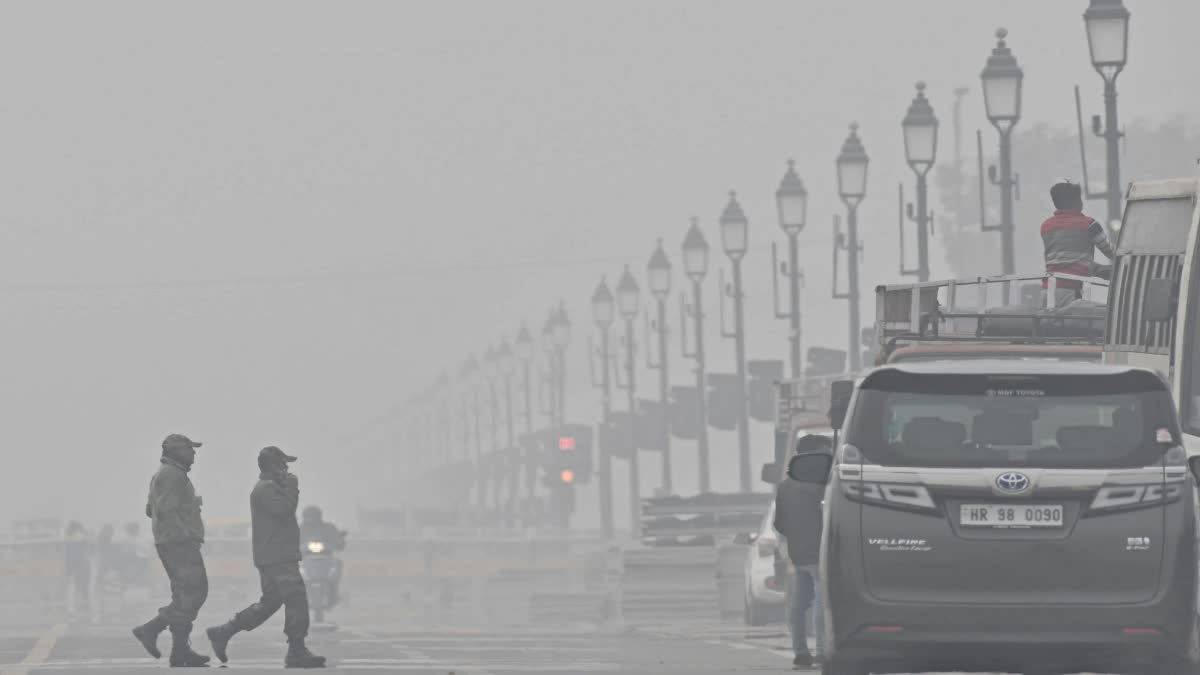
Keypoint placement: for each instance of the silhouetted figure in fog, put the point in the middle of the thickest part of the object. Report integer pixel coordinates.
(174, 511)
(1070, 240)
(314, 527)
(276, 536)
(76, 565)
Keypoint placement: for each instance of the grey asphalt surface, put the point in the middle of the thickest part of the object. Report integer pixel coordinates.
(105, 646)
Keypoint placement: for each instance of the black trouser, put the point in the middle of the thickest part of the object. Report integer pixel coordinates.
(189, 583)
(281, 585)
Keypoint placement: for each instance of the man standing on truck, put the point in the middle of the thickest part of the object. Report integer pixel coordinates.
(798, 518)
(1070, 239)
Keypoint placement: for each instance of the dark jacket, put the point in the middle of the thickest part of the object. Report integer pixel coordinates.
(173, 507)
(276, 533)
(1070, 239)
(798, 518)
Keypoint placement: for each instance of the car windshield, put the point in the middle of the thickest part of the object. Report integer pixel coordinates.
(1087, 421)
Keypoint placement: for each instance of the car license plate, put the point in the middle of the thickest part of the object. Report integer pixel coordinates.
(1011, 515)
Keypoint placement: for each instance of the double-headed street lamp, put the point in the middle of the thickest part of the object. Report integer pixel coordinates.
(791, 200)
(1107, 23)
(603, 313)
(920, 127)
(735, 241)
(695, 264)
(658, 274)
(628, 304)
(852, 165)
(1002, 79)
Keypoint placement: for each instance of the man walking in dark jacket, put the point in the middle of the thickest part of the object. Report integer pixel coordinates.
(174, 511)
(276, 536)
(799, 519)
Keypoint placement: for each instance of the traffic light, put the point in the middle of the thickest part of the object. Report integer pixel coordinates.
(685, 413)
(761, 394)
(723, 401)
(649, 427)
(825, 361)
(568, 459)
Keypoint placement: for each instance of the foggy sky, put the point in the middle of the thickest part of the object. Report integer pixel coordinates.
(336, 173)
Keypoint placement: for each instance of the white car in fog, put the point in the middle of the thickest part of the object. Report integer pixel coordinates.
(765, 594)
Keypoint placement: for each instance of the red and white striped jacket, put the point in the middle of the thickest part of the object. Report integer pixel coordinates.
(1070, 239)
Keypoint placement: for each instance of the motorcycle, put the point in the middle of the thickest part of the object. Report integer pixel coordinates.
(319, 570)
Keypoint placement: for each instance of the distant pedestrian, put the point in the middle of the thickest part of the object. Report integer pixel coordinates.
(798, 518)
(174, 510)
(276, 537)
(77, 566)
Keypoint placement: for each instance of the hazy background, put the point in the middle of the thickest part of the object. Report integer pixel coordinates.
(270, 222)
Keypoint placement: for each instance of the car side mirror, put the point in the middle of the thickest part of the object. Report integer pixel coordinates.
(1194, 465)
(811, 467)
(771, 473)
(1158, 303)
(839, 402)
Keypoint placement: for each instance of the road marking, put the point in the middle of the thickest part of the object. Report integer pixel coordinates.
(40, 652)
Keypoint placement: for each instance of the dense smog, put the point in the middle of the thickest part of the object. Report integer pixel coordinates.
(690, 337)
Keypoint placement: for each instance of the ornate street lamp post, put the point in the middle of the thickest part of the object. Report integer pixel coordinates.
(695, 264)
(658, 273)
(852, 188)
(920, 127)
(734, 239)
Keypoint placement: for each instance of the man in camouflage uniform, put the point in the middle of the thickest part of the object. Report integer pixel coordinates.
(276, 536)
(174, 510)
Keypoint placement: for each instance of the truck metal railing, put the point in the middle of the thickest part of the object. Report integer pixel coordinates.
(904, 309)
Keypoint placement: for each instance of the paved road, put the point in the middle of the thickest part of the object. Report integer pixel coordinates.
(691, 648)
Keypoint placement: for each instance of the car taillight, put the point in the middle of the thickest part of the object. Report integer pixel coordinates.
(903, 496)
(1122, 497)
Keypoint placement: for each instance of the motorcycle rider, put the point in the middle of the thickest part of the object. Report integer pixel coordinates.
(174, 510)
(276, 536)
(313, 527)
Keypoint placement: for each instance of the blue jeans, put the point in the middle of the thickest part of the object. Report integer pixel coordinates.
(805, 594)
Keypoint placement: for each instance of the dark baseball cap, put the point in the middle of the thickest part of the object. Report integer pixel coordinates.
(178, 441)
(274, 454)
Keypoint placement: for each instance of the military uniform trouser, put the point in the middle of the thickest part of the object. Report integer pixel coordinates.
(281, 585)
(189, 582)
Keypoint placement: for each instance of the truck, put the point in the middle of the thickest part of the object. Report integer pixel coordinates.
(1153, 317)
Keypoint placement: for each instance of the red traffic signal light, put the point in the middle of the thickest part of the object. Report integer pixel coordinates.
(566, 442)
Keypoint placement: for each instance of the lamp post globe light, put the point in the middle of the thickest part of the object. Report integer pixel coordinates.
(562, 327)
(628, 305)
(920, 128)
(791, 199)
(1107, 23)
(695, 253)
(695, 264)
(1002, 79)
(658, 274)
(734, 229)
(734, 239)
(603, 305)
(852, 163)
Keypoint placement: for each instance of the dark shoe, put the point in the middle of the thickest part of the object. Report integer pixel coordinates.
(182, 655)
(219, 636)
(147, 634)
(801, 661)
(298, 656)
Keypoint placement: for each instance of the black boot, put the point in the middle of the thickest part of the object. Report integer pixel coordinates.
(147, 634)
(182, 655)
(219, 636)
(298, 656)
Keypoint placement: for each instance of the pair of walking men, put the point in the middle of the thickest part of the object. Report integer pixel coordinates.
(174, 509)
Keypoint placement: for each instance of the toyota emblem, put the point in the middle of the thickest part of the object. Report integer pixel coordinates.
(1012, 482)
